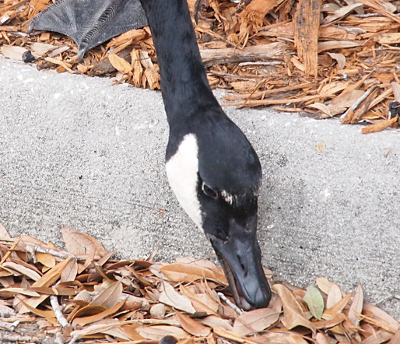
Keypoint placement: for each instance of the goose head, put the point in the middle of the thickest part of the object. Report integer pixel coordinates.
(215, 175)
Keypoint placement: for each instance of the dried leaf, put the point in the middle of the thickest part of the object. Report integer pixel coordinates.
(78, 243)
(70, 271)
(189, 273)
(381, 315)
(341, 12)
(3, 232)
(119, 63)
(170, 297)
(192, 326)
(202, 303)
(13, 52)
(157, 332)
(293, 313)
(255, 321)
(314, 301)
(82, 321)
(22, 270)
(338, 307)
(322, 107)
(46, 259)
(282, 338)
(321, 338)
(109, 296)
(334, 296)
(52, 275)
(217, 322)
(44, 314)
(340, 59)
(357, 306)
(22, 291)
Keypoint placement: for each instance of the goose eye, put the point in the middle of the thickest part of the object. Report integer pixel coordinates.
(208, 191)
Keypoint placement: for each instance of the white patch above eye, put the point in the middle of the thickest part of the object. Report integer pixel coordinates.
(182, 169)
(227, 197)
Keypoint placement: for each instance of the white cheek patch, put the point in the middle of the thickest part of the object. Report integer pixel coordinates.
(182, 169)
(227, 197)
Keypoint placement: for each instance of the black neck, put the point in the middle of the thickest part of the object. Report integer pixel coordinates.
(184, 83)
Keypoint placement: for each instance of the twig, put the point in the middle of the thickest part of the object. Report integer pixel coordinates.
(59, 254)
(74, 339)
(58, 339)
(23, 339)
(9, 327)
(58, 311)
(260, 63)
(230, 304)
(31, 250)
(14, 245)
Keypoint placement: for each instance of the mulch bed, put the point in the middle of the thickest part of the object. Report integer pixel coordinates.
(327, 58)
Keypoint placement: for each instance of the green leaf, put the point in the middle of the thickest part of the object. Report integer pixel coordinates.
(314, 301)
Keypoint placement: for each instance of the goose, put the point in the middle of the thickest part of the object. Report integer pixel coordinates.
(211, 166)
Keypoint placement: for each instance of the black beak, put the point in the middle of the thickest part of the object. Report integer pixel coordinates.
(240, 257)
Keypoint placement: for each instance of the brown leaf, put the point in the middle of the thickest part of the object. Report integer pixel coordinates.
(338, 307)
(119, 63)
(22, 291)
(52, 275)
(192, 326)
(232, 336)
(170, 297)
(13, 52)
(32, 302)
(109, 296)
(381, 315)
(293, 313)
(159, 331)
(21, 269)
(82, 321)
(89, 310)
(217, 322)
(70, 271)
(44, 314)
(321, 338)
(356, 307)
(334, 296)
(3, 232)
(46, 259)
(81, 243)
(255, 321)
(190, 273)
(282, 337)
(203, 303)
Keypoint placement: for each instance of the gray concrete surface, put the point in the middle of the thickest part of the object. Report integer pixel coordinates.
(76, 151)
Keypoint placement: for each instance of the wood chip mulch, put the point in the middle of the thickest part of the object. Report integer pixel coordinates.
(324, 57)
(82, 295)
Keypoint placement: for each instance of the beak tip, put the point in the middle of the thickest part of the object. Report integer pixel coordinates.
(261, 299)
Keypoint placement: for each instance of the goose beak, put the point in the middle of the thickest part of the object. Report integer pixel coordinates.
(240, 257)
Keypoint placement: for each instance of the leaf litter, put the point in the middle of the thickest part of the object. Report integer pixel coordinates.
(326, 58)
(82, 295)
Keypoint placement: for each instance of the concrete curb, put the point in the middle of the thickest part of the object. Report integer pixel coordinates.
(77, 151)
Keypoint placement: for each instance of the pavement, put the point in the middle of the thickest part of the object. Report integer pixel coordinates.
(77, 151)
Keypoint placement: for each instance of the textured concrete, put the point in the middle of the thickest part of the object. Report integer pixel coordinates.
(77, 151)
